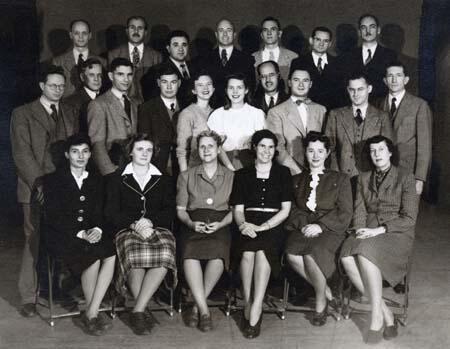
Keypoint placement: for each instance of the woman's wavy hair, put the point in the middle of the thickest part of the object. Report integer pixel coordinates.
(390, 145)
(258, 136)
(238, 76)
(314, 136)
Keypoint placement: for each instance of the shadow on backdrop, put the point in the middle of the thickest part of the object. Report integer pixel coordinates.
(294, 39)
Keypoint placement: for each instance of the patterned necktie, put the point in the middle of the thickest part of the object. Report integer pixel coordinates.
(358, 118)
(136, 57)
(393, 107)
(224, 57)
(80, 59)
(184, 71)
(54, 113)
(369, 57)
(272, 102)
(319, 65)
(127, 106)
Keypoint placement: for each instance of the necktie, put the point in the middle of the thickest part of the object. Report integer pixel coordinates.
(319, 65)
(54, 113)
(358, 118)
(369, 57)
(272, 102)
(136, 57)
(298, 102)
(224, 57)
(80, 59)
(271, 55)
(393, 107)
(184, 71)
(127, 106)
(172, 107)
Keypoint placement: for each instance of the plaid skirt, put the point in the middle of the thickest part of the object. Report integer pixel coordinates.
(135, 253)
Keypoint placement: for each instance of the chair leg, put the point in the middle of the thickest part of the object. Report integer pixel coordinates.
(50, 268)
(171, 301)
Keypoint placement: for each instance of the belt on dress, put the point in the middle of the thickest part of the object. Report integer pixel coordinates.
(262, 209)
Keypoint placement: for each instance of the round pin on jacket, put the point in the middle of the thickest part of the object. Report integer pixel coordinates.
(209, 201)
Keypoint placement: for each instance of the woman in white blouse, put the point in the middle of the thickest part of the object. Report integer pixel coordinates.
(236, 122)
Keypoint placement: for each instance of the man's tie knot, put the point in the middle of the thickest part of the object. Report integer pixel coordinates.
(298, 102)
(369, 56)
(224, 57)
(172, 107)
(80, 59)
(358, 118)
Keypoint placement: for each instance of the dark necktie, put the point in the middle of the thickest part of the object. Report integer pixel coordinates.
(224, 57)
(369, 57)
(80, 59)
(319, 65)
(272, 102)
(136, 57)
(184, 71)
(358, 118)
(172, 107)
(127, 106)
(54, 113)
(393, 107)
(298, 102)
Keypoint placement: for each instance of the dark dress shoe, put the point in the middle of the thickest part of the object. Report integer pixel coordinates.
(91, 325)
(192, 318)
(374, 337)
(104, 322)
(28, 310)
(320, 319)
(244, 323)
(390, 332)
(138, 323)
(254, 331)
(205, 323)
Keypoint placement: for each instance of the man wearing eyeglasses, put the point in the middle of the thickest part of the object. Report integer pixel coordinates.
(270, 91)
(142, 56)
(321, 64)
(38, 130)
(293, 119)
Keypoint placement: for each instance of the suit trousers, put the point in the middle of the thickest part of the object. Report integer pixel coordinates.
(27, 283)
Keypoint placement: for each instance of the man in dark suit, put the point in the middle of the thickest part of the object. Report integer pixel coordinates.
(270, 90)
(142, 56)
(178, 49)
(80, 34)
(112, 117)
(158, 118)
(349, 127)
(412, 123)
(37, 129)
(370, 58)
(91, 75)
(225, 60)
(321, 64)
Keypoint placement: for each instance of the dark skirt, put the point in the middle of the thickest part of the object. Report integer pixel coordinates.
(206, 246)
(81, 254)
(389, 252)
(135, 253)
(270, 241)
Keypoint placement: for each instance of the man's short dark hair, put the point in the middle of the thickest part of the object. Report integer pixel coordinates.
(79, 21)
(365, 15)
(88, 63)
(322, 29)
(273, 19)
(118, 62)
(141, 18)
(49, 70)
(273, 63)
(176, 34)
(359, 75)
(166, 69)
(397, 64)
(302, 67)
(77, 139)
(225, 19)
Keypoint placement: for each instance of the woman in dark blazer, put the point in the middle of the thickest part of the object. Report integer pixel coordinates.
(140, 207)
(382, 237)
(73, 205)
(318, 221)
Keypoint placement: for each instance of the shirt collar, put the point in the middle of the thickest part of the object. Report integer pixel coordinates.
(200, 170)
(275, 97)
(80, 180)
(46, 104)
(90, 93)
(117, 93)
(371, 46)
(76, 53)
(316, 57)
(140, 48)
(152, 170)
(168, 102)
(228, 49)
(178, 64)
(294, 99)
(399, 97)
(363, 110)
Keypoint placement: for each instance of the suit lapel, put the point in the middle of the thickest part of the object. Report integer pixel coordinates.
(283, 60)
(389, 180)
(294, 117)
(117, 106)
(400, 113)
(41, 116)
(372, 119)
(258, 57)
(347, 123)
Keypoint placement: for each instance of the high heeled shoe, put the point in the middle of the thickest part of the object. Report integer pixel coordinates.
(253, 331)
(390, 332)
(320, 319)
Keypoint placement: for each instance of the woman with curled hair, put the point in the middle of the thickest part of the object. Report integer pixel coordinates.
(73, 222)
(193, 120)
(235, 122)
(261, 200)
(140, 207)
(202, 206)
(318, 221)
(382, 235)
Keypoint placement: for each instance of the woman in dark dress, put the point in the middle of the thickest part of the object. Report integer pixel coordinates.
(140, 207)
(73, 205)
(261, 198)
(382, 237)
(202, 205)
(318, 220)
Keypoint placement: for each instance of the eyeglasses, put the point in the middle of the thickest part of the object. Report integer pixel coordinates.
(268, 76)
(56, 87)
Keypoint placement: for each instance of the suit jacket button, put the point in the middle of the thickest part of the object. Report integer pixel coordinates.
(82, 198)
(80, 219)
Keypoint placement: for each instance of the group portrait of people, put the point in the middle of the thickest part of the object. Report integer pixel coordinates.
(141, 167)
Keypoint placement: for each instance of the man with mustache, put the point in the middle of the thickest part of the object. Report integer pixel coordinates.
(142, 56)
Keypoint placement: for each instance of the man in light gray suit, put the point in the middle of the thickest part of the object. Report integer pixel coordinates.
(38, 130)
(80, 34)
(293, 119)
(412, 123)
(112, 117)
(271, 50)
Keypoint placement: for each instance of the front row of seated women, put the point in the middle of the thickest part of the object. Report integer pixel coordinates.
(139, 211)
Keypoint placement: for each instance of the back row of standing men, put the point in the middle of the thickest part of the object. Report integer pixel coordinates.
(156, 89)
